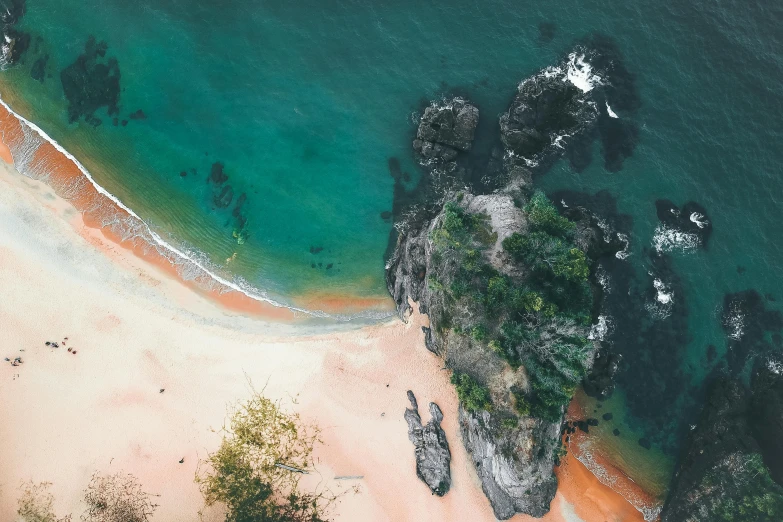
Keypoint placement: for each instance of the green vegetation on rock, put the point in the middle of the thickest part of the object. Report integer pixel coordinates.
(534, 313)
(471, 394)
(754, 497)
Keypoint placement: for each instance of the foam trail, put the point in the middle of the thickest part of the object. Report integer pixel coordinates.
(152, 234)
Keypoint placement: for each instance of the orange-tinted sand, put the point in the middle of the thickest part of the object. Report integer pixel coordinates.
(139, 327)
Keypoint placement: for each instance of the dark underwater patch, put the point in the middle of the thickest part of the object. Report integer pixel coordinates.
(92, 82)
(546, 32)
(38, 70)
(749, 327)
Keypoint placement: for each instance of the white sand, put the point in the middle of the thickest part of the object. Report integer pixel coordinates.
(64, 416)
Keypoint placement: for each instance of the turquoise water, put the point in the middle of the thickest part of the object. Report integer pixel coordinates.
(305, 102)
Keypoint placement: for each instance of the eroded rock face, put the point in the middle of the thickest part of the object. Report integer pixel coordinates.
(516, 474)
(433, 457)
(445, 129)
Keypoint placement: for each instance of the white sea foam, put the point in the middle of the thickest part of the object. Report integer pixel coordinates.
(192, 264)
(668, 239)
(700, 220)
(735, 322)
(624, 253)
(601, 329)
(580, 73)
(663, 294)
(775, 367)
(609, 110)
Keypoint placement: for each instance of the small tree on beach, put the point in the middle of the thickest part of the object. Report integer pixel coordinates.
(253, 471)
(37, 504)
(117, 498)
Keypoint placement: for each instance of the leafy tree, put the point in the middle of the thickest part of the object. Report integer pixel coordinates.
(117, 498)
(245, 476)
(544, 217)
(471, 394)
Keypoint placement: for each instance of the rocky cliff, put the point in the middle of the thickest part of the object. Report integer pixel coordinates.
(505, 279)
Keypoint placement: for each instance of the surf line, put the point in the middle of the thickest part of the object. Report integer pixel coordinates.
(155, 237)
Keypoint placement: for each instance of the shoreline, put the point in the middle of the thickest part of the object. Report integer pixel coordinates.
(47, 160)
(140, 326)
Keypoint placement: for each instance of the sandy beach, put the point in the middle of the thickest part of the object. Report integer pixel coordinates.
(137, 328)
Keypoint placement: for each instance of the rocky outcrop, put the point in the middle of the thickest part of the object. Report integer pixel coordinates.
(514, 330)
(431, 447)
(721, 475)
(515, 473)
(446, 128)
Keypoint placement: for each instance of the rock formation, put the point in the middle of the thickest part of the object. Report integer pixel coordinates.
(721, 475)
(431, 448)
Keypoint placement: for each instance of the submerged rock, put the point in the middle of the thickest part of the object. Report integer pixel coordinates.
(89, 83)
(766, 412)
(433, 457)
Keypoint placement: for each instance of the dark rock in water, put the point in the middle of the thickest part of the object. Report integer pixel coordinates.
(138, 115)
(546, 32)
(616, 432)
(592, 422)
(721, 475)
(747, 323)
(183, 174)
(124, 123)
(766, 412)
(451, 124)
(769, 297)
(645, 443)
(607, 416)
(225, 197)
(433, 457)
(17, 42)
(741, 269)
(386, 216)
(89, 83)
(546, 113)
(599, 383)
(38, 70)
(216, 174)
(316, 249)
(691, 219)
(329, 266)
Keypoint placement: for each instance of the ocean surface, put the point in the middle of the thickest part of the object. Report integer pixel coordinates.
(299, 106)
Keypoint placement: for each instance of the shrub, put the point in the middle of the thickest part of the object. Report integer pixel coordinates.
(244, 473)
(36, 504)
(543, 216)
(471, 394)
(117, 498)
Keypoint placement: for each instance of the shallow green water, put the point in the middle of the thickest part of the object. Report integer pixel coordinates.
(305, 102)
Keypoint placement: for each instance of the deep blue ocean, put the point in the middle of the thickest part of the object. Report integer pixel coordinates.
(299, 106)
